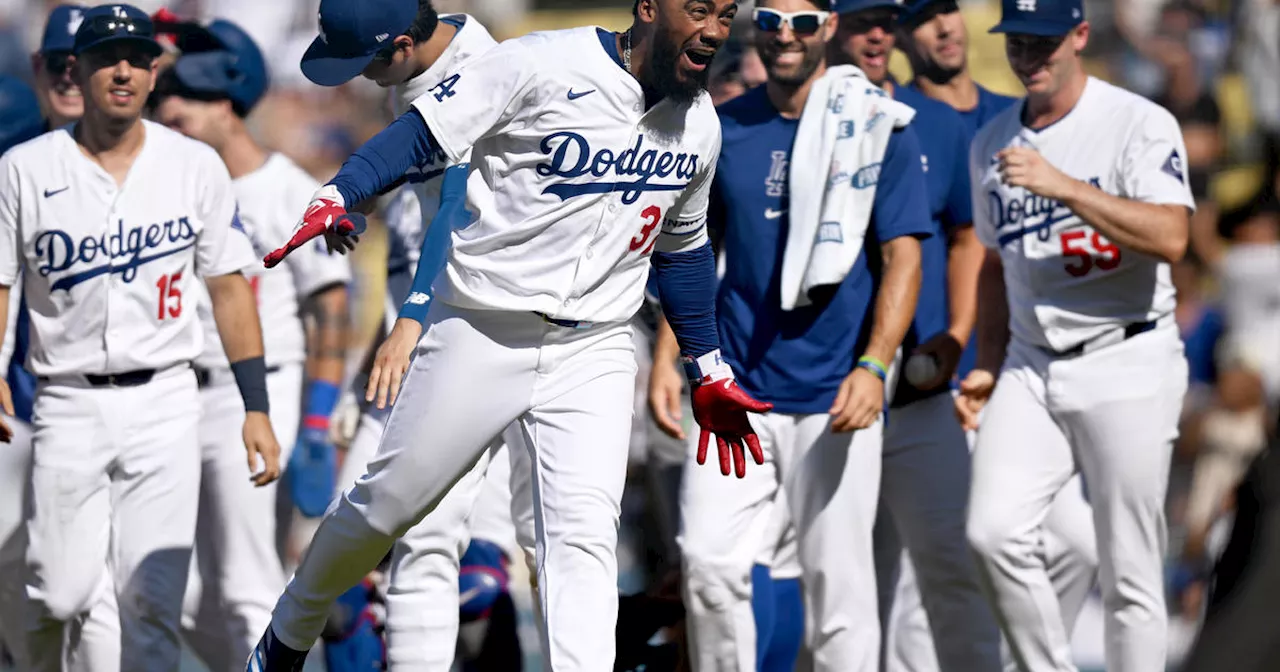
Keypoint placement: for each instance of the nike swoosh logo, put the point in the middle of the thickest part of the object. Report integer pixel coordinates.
(774, 214)
(467, 595)
(575, 96)
(54, 192)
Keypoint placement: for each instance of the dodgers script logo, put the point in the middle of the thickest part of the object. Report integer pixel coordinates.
(1018, 211)
(572, 156)
(120, 252)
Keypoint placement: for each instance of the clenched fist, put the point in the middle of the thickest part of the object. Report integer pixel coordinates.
(1025, 167)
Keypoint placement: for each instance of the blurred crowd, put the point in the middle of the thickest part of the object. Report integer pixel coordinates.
(1215, 64)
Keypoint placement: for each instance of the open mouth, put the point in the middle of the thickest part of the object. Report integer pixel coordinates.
(875, 58)
(698, 58)
(121, 96)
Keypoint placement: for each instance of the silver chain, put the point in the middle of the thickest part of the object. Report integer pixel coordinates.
(626, 50)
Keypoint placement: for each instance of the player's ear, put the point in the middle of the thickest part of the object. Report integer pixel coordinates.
(403, 42)
(829, 27)
(647, 11)
(1080, 37)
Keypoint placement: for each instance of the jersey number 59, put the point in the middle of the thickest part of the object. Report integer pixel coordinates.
(1075, 245)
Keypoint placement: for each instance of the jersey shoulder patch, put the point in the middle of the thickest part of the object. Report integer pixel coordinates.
(1173, 166)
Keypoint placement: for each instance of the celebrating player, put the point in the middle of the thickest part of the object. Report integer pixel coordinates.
(60, 96)
(423, 597)
(924, 485)
(108, 220)
(1082, 197)
(822, 359)
(933, 36)
(206, 95)
(593, 152)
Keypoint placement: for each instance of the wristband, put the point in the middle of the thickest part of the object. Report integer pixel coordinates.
(875, 366)
(251, 378)
(322, 397)
(706, 369)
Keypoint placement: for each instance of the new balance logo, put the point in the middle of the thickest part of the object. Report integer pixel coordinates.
(1026, 5)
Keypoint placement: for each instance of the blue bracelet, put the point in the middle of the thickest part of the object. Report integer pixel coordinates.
(875, 366)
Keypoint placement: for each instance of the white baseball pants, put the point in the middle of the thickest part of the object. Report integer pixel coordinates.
(237, 568)
(115, 475)
(1071, 559)
(925, 490)
(475, 373)
(1112, 415)
(422, 597)
(831, 484)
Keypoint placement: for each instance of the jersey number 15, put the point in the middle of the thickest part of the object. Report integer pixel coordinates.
(170, 301)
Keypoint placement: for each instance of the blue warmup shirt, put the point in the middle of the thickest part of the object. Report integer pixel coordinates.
(989, 105)
(944, 143)
(796, 359)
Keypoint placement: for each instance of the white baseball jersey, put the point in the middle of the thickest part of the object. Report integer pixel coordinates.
(410, 213)
(270, 199)
(1065, 282)
(573, 184)
(109, 270)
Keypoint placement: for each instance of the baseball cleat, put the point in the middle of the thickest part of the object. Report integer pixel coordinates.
(272, 656)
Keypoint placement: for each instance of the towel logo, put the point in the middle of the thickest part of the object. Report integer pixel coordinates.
(866, 177)
(847, 129)
(829, 232)
(836, 105)
(776, 183)
(1026, 5)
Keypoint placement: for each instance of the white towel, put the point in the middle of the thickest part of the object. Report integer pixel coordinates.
(835, 165)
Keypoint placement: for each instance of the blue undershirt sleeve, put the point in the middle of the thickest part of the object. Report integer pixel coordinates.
(687, 289)
(385, 158)
(435, 241)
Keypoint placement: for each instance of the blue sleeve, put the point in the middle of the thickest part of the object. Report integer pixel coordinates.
(435, 242)
(960, 199)
(901, 207)
(687, 289)
(385, 158)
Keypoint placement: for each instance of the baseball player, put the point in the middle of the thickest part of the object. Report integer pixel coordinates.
(824, 365)
(924, 485)
(1081, 195)
(593, 152)
(211, 88)
(108, 221)
(933, 36)
(425, 598)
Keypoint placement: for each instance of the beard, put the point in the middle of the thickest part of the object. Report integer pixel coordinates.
(664, 68)
(793, 77)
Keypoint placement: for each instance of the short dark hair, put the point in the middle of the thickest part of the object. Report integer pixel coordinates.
(635, 9)
(424, 25)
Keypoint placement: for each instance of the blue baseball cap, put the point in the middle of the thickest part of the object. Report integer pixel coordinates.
(221, 59)
(1048, 18)
(60, 30)
(912, 10)
(351, 33)
(850, 6)
(20, 116)
(116, 23)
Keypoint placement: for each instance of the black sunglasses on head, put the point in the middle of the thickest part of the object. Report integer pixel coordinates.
(911, 22)
(859, 23)
(102, 27)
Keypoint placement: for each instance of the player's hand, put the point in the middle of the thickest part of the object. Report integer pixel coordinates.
(391, 362)
(721, 408)
(666, 386)
(325, 209)
(6, 404)
(975, 391)
(1025, 167)
(946, 351)
(859, 402)
(313, 470)
(260, 444)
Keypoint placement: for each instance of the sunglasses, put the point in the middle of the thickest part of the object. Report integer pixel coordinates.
(57, 63)
(860, 23)
(928, 13)
(111, 26)
(800, 23)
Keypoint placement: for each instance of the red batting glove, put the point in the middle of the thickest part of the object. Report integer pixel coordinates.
(326, 207)
(720, 407)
